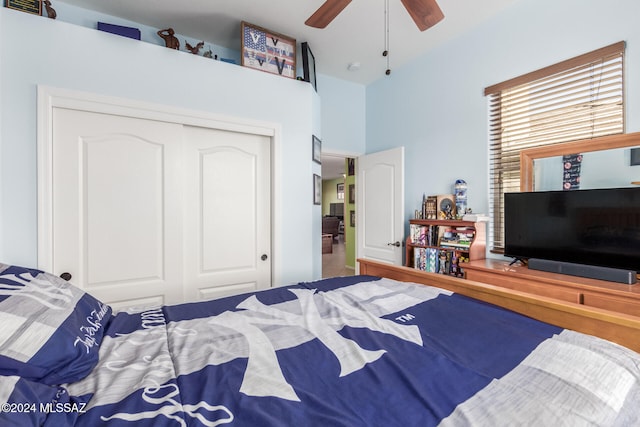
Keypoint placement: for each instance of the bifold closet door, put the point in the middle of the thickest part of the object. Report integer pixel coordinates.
(117, 206)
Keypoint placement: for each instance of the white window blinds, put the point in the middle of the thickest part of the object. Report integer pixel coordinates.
(579, 98)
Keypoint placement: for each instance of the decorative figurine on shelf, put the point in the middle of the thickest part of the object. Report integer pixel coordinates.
(170, 40)
(442, 262)
(446, 212)
(460, 191)
(209, 54)
(454, 264)
(51, 12)
(194, 49)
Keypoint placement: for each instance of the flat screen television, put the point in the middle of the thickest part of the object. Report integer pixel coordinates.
(336, 209)
(594, 227)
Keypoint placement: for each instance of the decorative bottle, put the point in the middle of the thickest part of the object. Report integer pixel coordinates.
(460, 190)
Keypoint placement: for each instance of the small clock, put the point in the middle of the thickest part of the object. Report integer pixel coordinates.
(446, 206)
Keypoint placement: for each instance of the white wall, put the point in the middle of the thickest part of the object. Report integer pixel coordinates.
(40, 51)
(435, 106)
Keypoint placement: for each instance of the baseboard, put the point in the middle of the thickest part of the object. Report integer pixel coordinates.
(628, 277)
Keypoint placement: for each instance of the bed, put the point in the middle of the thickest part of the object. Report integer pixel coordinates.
(384, 348)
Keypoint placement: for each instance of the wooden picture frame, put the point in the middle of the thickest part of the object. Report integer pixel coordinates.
(317, 189)
(352, 218)
(309, 65)
(446, 206)
(352, 194)
(609, 142)
(29, 6)
(268, 51)
(316, 149)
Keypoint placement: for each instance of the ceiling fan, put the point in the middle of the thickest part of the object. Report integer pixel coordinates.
(425, 13)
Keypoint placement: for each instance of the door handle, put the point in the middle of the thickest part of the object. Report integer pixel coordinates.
(264, 257)
(396, 244)
(66, 276)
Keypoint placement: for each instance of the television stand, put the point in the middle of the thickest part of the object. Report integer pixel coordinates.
(580, 290)
(522, 261)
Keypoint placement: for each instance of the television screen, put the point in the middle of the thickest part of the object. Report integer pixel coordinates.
(336, 209)
(594, 227)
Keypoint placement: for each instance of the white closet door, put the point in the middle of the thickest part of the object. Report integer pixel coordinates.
(117, 206)
(227, 213)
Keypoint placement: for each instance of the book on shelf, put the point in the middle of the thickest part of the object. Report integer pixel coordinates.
(424, 235)
(457, 244)
(442, 261)
(418, 234)
(420, 259)
(459, 237)
(475, 217)
(432, 260)
(431, 207)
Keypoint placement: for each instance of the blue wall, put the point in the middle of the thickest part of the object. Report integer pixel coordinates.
(343, 115)
(435, 105)
(83, 59)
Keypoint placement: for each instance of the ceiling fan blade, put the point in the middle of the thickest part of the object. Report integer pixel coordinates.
(326, 13)
(425, 13)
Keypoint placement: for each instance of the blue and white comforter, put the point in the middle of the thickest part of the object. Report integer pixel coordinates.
(358, 351)
(369, 353)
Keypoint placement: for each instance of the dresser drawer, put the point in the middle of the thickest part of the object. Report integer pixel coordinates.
(525, 285)
(620, 305)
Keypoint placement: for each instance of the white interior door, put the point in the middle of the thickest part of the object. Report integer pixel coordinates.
(227, 213)
(117, 206)
(380, 206)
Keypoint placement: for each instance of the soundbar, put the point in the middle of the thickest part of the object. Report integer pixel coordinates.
(628, 277)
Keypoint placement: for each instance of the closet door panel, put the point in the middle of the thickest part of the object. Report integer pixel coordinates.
(227, 220)
(117, 205)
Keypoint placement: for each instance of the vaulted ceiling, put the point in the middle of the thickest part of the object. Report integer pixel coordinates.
(356, 36)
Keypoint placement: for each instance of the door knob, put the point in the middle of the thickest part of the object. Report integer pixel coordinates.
(264, 257)
(396, 244)
(66, 276)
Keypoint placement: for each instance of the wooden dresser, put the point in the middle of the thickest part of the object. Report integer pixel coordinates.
(595, 293)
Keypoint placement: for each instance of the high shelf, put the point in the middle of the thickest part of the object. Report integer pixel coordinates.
(442, 246)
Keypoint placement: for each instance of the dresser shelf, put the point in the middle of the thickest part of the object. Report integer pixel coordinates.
(591, 292)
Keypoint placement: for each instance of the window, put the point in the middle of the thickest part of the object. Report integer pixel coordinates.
(580, 98)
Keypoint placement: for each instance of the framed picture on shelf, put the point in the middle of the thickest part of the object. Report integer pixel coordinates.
(352, 193)
(317, 189)
(316, 149)
(309, 65)
(446, 205)
(30, 6)
(268, 51)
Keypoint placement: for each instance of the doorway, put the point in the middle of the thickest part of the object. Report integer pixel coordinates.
(338, 208)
